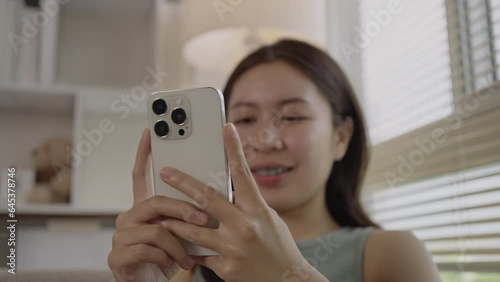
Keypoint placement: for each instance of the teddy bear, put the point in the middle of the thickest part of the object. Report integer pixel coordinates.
(51, 161)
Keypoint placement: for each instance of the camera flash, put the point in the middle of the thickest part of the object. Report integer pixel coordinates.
(178, 101)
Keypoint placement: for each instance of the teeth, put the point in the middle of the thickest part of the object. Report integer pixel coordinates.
(271, 171)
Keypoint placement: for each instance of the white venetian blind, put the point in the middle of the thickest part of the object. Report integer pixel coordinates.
(473, 27)
(435, 68)
(495, 23)
(457, 216)
(405, 65)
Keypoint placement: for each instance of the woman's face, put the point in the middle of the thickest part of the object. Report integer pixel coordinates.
(286, 128)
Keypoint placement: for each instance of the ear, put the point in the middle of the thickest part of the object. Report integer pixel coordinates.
(343, 135)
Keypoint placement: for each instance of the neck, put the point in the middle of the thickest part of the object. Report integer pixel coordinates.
(310, 220)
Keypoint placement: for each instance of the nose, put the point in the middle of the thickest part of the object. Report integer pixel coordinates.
(267, 139)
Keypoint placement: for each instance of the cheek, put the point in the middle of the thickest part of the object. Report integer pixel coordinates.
(311, 144)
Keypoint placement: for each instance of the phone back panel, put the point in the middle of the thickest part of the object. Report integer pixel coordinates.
(200, 153)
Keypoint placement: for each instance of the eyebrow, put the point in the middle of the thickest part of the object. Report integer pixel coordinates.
(280, 104)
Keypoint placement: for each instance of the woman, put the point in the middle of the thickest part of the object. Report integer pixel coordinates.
(298, 153)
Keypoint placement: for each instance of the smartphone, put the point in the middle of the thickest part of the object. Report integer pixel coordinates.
(186, 134)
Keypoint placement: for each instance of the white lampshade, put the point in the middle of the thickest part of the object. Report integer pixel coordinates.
(218, 34)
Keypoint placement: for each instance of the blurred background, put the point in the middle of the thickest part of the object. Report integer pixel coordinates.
(75, 76)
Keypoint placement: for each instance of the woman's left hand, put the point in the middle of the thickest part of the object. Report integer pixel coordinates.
(254, 243)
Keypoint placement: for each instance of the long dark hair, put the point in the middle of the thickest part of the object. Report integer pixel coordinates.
(344, 183)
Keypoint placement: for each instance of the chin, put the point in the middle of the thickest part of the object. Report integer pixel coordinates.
(280, 200)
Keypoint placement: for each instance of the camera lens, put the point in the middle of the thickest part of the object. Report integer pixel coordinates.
(179, 116)
(159, 107)
(161, 128)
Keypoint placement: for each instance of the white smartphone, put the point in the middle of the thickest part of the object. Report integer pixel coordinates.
(186, 134)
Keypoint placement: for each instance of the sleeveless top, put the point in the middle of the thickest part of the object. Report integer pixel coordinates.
(337, 255)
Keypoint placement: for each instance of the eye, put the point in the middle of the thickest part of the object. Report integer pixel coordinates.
(244, 121)
(293, 118)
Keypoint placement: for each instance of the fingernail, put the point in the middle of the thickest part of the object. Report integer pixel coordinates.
(166, 173)
(200, 216)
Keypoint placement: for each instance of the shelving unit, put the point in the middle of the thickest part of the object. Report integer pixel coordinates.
(103, 51)
(106, 49)
(29, 115)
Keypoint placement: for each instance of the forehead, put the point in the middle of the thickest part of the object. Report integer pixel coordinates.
(269, 83)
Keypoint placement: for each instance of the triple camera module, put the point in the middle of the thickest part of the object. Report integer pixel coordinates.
(172, 111)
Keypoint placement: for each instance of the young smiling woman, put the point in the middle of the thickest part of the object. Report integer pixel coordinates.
(298, 151)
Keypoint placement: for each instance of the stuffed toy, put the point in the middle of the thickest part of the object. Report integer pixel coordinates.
(51, 161)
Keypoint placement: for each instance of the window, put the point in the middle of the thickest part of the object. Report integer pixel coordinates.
(472, 27)
(405, 65)
(431, 92)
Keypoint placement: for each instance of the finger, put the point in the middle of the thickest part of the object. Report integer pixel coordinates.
(197, 235)
(138, 254)
(139, 172)
(207, 197)
(161, 206)
(155, 235)
(240, 171)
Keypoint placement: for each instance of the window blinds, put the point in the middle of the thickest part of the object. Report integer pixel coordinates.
(457, 216)
(473, 26)
(405, 65)
(495, 22)
(434, 71)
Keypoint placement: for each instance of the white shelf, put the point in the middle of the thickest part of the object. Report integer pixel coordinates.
(15, 88)
(30, 99)
(61, 210)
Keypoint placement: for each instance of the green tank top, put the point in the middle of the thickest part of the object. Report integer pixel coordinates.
(337, 255)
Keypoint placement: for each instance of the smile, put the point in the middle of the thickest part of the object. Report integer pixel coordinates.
(271, 171)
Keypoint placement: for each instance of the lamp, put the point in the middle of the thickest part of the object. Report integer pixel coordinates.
(218, 34)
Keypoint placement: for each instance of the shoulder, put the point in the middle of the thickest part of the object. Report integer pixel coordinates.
(397, 256)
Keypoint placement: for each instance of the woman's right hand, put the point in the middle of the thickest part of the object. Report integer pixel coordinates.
(142, 249)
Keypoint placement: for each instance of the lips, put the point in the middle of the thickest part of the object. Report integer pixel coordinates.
(270, 174)
(271, 171)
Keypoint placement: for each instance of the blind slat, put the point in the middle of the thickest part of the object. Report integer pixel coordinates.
(453, 204)
(468, 244)
(459, 231)
(426, 196)
(447, 218)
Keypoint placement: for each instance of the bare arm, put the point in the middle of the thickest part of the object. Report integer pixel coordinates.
(397, 256)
